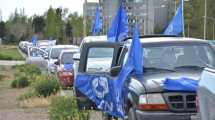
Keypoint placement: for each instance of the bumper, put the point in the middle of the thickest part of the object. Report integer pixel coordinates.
(66, 79)
(160, 115)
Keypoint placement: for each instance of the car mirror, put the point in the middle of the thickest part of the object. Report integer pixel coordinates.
(115, 70)
(45, 57)
(76, 57)
(57, 63)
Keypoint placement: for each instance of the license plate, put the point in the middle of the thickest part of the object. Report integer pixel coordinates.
(195, 117)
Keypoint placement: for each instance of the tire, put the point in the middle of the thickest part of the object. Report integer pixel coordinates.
(131, 114)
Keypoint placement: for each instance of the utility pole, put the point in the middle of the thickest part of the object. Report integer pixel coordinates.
(183, 18)
(205, 20)
(84, 16)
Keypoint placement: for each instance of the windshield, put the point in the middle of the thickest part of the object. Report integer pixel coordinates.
(34, 52)
(178, 56)
(174, 57)
(101, 53)
(67, 58)
(56, 52)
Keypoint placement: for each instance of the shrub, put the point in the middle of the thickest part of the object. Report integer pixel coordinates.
(20, 82)
(65, 108)
(28, 69)
(30, 93)
(46, 85)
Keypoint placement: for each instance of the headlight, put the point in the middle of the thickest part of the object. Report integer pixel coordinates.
(152, 102)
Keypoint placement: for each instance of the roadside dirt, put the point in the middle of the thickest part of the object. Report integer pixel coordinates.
(9, 105)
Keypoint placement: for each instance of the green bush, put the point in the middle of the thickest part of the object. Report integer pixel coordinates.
(65, 108)
(28, 69)
(46, 85)
(20, 82)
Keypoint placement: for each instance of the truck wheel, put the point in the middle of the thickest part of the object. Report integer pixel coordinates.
(131, 114)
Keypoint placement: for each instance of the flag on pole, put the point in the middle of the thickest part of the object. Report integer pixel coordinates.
(97, 25)
(108, 93)
(119, 28)
(34, 40)
(176, 26)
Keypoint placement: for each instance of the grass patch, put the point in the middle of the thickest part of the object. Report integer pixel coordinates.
(10, 53)
(1, 77)
(65, 108)
(36, 102)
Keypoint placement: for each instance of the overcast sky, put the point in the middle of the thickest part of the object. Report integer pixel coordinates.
(39, 6)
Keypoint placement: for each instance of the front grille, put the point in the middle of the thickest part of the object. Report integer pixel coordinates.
(181, 101)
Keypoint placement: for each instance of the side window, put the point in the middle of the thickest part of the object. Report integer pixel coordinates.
(99, 59)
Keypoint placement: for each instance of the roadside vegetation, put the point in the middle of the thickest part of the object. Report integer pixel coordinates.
(65, 108)
(10, 53)
(44, 91)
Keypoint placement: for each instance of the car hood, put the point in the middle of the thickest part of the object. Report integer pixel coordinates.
(154, 82)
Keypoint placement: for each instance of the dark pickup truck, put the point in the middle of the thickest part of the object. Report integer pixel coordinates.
(164, 57)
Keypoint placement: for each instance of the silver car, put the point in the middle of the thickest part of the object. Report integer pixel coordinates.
(36, 56)
(54, 53)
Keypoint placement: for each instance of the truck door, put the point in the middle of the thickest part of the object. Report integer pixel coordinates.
(96, 59)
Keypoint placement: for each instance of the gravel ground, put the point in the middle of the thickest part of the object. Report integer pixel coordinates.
(9, 105)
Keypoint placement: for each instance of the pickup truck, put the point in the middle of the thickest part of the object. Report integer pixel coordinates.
(164, 57)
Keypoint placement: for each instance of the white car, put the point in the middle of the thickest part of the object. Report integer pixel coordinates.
(66, 68)
(36, 56)
(54, 53)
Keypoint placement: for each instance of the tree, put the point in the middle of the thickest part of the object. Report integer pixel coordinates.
(38, 24)
(2, 29)
(17, 27)
(77, 24)
(51, 25)
(69, 32)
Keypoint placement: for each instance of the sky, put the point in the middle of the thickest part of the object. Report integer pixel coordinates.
(38, 7)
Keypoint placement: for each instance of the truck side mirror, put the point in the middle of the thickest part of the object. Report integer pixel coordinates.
(115, 70)
(76, 57)
(46, 57)
(57, 63)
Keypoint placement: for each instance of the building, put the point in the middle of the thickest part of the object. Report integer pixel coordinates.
(108, 11)
(89, 9)
(152, 16)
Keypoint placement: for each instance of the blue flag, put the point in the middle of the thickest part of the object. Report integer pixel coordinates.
(34, 40)
(119, 28)
(137, 52)
(97, 25)
(181, 84)
(68, 67)
(176, 25)
(108, 93)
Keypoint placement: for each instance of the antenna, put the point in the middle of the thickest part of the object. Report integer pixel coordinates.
(0, 15)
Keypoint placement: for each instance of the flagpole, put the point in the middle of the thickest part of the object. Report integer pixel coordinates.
(183, 18)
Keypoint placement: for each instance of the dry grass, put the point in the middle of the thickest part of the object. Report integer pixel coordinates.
(36, 102)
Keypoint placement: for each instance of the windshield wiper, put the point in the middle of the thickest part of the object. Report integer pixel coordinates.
(189, 67)
(159, 69)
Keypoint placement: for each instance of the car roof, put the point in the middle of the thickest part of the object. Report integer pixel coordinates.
(65, 46)
(94, 38)
(70, 50)
(156, 40)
